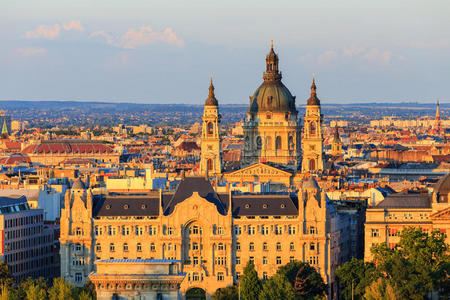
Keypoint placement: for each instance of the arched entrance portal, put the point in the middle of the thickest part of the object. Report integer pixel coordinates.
(195, 294)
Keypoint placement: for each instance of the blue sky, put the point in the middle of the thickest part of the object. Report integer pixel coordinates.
(164, 51)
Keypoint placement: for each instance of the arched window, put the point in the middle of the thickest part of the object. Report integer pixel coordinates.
(210, 128)
(312, 128)
(258, 143)
(312, 164)
(209, 163)
(278, 143)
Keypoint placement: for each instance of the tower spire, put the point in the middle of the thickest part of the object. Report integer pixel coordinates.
(211, 100)
(272, 73)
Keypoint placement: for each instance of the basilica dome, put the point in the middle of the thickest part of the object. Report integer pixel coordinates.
(272, 95)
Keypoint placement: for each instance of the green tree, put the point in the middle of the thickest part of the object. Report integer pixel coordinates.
(32, 289)
(6, 278)
(250, 283)
(277, 287)
(227, 293)
(304, 279)
(61, 290)
(380, 290)
(357, 275)
(417, 265)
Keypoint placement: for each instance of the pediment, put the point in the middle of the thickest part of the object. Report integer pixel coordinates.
(442, 214)
(258, 169)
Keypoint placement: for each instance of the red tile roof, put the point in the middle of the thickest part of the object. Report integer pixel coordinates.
(75, 147)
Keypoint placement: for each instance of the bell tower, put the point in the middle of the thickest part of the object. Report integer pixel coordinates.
(336, 144)
(211, 160)
(312, 141)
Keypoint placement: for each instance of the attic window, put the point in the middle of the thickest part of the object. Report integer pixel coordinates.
(264, 206)
(247, 205)
(108, 206)
(126, 206)
(283, 206)
(144, 206)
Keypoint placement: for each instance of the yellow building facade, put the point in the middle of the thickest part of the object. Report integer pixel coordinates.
(213, 235)
(429, 212)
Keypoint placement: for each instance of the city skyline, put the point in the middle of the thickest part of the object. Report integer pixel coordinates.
(164, 53)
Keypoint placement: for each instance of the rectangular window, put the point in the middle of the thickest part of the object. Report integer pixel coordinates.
(195, 260)
(264, 230)
(152, 230)
(220, 230)
(278, 230)
(238, 260)
(265, 276)
(264, 260)
(291, 259)
(278, 260)
(220, 276)
(251, 230)
(251, 259)
(78, 277)
(112, 248)
(292, 229)
(238, 246)
(170, 230)
(375, 233)
(195, 277)
(98, 247)
(312, 230)
(237, 230)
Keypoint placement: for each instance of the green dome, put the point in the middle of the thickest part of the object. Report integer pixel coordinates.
(272, 96)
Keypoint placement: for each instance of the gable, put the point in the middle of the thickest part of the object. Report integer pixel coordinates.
(258, 169)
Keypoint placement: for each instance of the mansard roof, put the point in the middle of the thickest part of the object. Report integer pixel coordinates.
(265, 205)
(406, 201)
(187, 187)
(129, 204)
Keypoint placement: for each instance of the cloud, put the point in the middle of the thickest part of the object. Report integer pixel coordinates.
(73, 25)
(327, 57)
(378, 56)
(109, 38)
(51, 32)
(143, 36)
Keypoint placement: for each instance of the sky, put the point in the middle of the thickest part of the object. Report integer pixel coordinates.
(145, 51)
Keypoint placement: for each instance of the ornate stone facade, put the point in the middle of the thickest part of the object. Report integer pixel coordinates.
(387, 219)
(312, 141)
(213, 235)
(272, 129)
(137, 279)
(211, 150)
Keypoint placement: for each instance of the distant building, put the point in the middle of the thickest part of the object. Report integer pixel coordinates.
(27, 246)
(5, 123)
(398, 211)
(53, 152)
